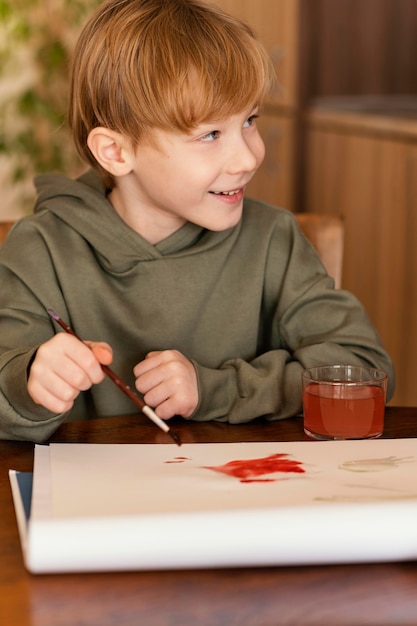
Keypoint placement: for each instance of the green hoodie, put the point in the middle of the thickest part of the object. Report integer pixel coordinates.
(251, 307)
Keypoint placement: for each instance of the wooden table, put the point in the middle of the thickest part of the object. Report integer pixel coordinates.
(378, 594)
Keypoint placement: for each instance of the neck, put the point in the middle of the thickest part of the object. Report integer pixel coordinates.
(146, 221)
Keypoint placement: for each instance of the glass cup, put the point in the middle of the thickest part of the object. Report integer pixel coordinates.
(344, 401)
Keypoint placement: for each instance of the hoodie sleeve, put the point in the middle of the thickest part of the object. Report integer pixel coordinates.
(309, 323)
(20, 417)
(24, 325)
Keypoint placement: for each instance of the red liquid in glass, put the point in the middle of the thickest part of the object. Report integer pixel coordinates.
(343, 412)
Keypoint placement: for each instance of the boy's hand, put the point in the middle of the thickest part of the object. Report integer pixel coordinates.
(168, 383)
(64, 366)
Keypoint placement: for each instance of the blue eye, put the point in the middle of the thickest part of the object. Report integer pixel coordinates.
(250, 121)
(215, 134)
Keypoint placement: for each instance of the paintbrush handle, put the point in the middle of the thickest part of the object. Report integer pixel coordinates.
(135, 398)
(122, 385)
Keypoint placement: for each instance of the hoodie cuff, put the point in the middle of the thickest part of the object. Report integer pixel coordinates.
(14, 387)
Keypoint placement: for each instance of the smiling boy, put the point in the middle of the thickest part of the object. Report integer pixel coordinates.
(210, 303)
(204, 174)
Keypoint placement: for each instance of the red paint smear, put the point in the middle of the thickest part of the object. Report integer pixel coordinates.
(249, 470)
(179, 459)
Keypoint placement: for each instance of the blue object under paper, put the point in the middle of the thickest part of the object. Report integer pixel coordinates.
(25, 482)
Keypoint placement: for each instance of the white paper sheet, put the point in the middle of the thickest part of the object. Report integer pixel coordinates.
(154, 506)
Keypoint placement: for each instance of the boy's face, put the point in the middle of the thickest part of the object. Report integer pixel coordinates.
(198, 177)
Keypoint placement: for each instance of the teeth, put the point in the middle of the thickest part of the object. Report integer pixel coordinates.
(226, 193)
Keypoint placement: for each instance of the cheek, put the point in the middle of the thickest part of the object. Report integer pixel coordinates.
(261, 151)
(258, 149)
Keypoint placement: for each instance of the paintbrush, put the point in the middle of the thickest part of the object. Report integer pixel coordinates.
(123, 386)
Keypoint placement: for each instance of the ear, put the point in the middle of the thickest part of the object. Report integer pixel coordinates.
(111, 150)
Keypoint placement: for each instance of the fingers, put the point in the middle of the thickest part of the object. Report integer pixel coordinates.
(102, 351)
(168, 382)
(62, 368)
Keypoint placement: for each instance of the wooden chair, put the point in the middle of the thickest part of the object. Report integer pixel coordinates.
(4, 229)
(326, 233)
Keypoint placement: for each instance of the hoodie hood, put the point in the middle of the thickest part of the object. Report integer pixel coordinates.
(83, 206)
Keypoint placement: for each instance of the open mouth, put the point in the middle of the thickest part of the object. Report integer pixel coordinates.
(226, 193)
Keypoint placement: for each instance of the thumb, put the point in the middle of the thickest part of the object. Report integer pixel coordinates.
(102, 351)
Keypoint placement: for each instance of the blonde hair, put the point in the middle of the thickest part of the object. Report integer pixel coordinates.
(169, 64)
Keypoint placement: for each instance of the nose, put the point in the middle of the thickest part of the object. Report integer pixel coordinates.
(246, 154)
